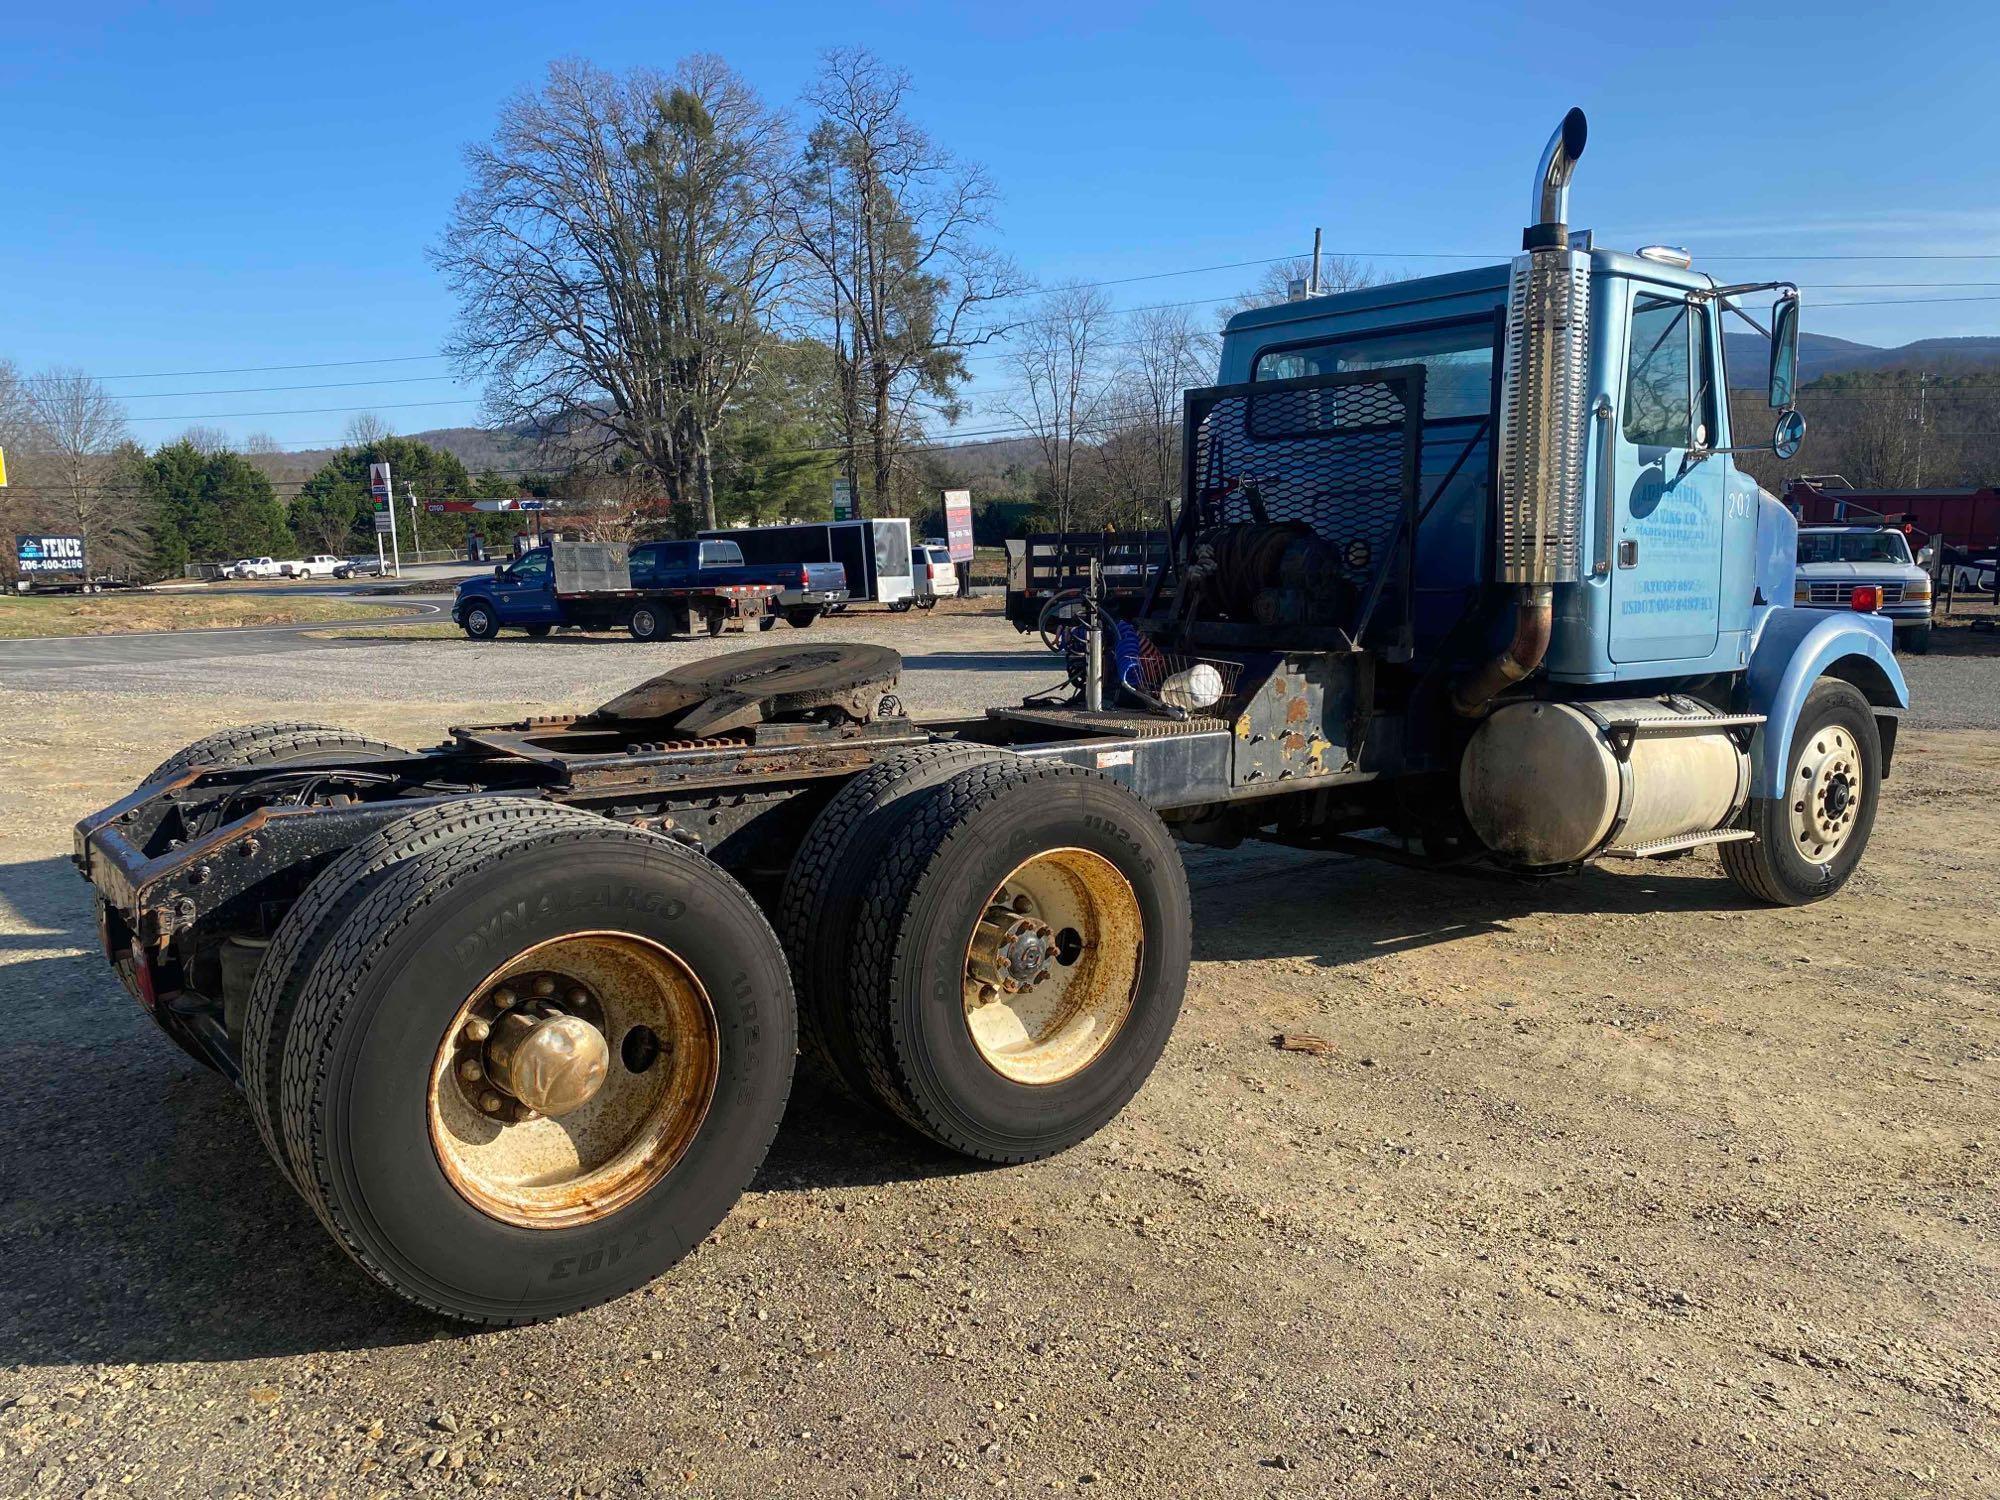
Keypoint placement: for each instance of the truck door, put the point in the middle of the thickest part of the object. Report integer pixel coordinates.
(1666, 573)
(525, 594)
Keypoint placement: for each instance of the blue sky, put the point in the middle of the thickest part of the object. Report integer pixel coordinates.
(205, 187)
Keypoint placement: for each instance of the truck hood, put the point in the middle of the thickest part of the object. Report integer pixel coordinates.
(1860, 572)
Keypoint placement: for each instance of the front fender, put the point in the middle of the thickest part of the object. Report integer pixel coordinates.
(1797, 647)
(465, 601)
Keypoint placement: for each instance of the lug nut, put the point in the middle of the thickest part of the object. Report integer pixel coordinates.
(491, 1102)
(476, 1030)
(505, 998)
(545, 986)
(1024, 903)
(578, 996)
(470, 1070)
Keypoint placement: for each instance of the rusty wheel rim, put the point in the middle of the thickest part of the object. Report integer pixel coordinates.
(1052, 966)
(573, 1079)
(1826, 790)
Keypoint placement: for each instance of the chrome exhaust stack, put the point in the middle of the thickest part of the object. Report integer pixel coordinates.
(1542, 416)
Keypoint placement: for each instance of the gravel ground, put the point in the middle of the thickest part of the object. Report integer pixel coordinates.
(1608, 1186)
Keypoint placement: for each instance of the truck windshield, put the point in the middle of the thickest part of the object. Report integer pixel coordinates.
(1853, 547)
(1457, 360)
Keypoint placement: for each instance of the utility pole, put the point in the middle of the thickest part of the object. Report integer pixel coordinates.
(1923, 402)
(1312, 286)
(416, 530)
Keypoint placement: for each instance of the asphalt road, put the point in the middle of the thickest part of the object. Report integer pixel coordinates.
(58, 652)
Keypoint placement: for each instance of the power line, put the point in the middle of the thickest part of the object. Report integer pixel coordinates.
(308, 411)
(321, 364)
(331, 385)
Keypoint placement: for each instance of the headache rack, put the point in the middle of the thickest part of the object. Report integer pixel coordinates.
(1301, 507)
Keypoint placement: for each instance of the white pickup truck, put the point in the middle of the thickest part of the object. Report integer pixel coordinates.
(256, 567)
(319, 565)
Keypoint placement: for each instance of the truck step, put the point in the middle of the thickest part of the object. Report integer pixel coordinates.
(1682, 841)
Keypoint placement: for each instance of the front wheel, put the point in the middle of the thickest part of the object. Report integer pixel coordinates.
(480, 623)
(1810, 838)
(929, 601)
(1917, 642)
(900, 607)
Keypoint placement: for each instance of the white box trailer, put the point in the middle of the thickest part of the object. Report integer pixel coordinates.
(875, 553)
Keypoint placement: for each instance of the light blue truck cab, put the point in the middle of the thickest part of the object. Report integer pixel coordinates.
(1576, 457)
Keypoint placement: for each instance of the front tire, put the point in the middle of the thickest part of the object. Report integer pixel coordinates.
(480, 623)
(470, 1200)
(1917, 642)
(1810, 839)
(1019, 959)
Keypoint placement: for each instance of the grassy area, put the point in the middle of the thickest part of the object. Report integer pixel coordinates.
(124, 613)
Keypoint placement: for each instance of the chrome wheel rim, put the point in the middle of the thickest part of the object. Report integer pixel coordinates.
(478, 621)
(1825, 793)
(573, 1079)
(1052, 966)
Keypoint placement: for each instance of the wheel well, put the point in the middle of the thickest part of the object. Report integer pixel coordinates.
(1873, 683)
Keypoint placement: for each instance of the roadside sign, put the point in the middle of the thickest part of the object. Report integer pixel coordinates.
(48, 556)
(958, 524)
(843, 500)
(3, 468)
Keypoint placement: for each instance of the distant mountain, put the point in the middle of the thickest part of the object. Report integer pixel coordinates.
(1820, 354)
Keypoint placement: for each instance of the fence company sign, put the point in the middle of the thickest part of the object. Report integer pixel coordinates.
(44, 556)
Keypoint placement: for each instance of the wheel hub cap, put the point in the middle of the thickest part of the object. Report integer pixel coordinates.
(553, 1064)
(573, 1079)
(1052, 966)
(1826, 793)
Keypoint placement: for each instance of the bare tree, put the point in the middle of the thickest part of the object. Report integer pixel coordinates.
(364, 429)
(260, 444)
(1168, 351)
(206, 441)
(1059, 358)
(76, 430)
(1337, 273)
(619, 264)
(890, 225)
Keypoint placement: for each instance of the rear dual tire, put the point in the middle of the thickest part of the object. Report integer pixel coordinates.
(382, 997)
(892, 972)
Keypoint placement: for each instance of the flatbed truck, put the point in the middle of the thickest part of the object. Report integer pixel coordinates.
(1464, 576)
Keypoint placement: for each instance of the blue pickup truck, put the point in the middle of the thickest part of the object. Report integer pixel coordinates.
(651, 589)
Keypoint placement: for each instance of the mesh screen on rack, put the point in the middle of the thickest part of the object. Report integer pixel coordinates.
(1332, 451)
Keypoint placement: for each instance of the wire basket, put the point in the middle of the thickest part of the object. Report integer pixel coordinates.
(1192, 684)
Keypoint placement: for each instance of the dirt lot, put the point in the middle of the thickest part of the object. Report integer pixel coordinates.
(1611, 1186)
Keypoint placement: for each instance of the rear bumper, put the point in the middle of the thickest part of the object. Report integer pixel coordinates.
(819, 598)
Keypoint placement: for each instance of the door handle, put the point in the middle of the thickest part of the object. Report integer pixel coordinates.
(1607, 492)
(1628, 552)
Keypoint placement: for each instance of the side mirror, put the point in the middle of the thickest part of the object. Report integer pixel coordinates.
(1787, 435)
(1784, 352)
(499, 569)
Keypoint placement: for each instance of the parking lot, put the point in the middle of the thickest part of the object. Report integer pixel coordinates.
(1609, 1185)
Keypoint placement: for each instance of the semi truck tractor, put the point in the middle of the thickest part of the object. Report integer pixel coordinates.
(1463, 575)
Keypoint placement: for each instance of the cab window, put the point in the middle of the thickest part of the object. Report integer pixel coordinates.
(1457, 360)
(1669, 374)
(533, 568)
